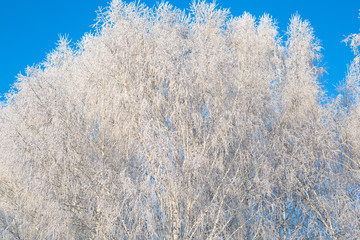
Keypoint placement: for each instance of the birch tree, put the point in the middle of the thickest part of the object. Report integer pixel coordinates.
(166, 124)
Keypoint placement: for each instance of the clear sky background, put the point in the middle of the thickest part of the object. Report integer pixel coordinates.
(31, 28)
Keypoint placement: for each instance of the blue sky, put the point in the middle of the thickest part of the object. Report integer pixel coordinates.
(30, 28)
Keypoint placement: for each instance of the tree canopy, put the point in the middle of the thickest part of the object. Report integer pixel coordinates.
(166, 124)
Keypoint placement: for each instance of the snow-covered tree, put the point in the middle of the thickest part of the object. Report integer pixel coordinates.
(166, 124)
